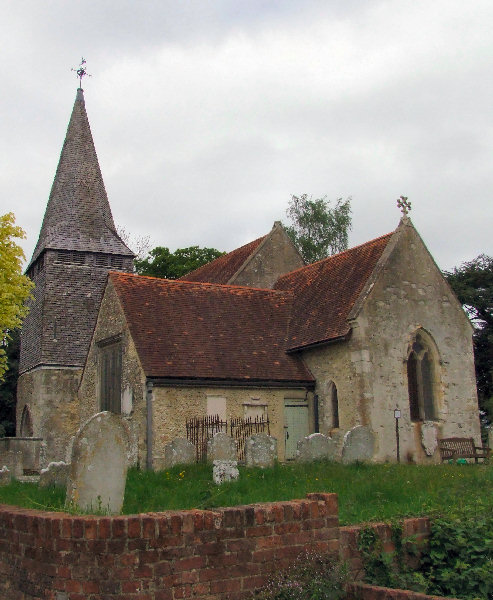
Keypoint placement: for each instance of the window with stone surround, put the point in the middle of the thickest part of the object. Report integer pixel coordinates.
(255, 408)
(423, 377)
(110, 374)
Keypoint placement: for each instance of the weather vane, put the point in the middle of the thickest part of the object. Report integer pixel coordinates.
(404, 205)
(81, 71)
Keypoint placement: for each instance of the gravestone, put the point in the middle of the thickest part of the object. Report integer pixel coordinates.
(56, 473)
(260, 450)
(224, 470)
(98, 468)
(316, 446)
(359, 444)
(221, 447)
(5, 476)
(13, 460)
(179, 452)
(490, 438)
(429, 438)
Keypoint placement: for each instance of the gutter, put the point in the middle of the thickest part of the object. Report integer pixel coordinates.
(340, 338)
(233, 383)
(149, 436)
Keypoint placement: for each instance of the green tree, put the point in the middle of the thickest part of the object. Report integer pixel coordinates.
(473, 284)
(8, 387)
(160, 262)
(319, 230)
(15, 287)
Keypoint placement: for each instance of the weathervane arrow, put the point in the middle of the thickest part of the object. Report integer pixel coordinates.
(81, 71)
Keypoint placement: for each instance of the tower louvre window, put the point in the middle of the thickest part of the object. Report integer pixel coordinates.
(68, 257)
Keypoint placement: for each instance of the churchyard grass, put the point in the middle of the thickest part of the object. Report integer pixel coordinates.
(366, 491)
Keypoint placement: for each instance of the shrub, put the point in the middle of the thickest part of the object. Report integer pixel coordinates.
(459, 558)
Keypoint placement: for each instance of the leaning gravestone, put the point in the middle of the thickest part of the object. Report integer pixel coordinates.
(359, 444)
(221, 447)
(179, 452)
(56, 473)
(260, 450)
(99, 464)
(5, 476)
(316, 446)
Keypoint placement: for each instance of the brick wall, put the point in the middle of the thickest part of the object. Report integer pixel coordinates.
(211, 555)
(417, 528)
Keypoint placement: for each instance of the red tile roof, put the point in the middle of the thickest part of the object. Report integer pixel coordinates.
(223, 268)
(326, 291)
(208, 331)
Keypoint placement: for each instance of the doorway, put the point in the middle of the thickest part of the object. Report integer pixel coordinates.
(296, 425)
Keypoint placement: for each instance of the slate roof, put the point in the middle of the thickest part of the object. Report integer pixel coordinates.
(78, 216)
(326, 291)
(223, 268)
(189, 330)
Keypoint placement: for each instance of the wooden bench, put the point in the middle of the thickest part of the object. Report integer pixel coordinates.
(456, 447)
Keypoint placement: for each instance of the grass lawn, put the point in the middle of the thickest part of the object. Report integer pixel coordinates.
(366, 492)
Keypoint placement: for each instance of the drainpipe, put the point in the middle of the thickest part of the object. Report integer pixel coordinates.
(149, 386)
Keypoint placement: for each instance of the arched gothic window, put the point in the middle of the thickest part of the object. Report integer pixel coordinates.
(333, 403)
(26, 423)
(422, 378)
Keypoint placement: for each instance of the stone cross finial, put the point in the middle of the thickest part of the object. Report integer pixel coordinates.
(81, 71)
(404, 205)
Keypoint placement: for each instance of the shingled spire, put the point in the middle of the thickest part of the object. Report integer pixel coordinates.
(77, 246)
(78, 216)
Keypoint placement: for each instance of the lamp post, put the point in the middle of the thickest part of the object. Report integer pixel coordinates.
(397, 416)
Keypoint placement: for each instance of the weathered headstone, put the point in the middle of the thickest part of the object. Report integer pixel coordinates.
(490, 438)
(224, 470)
(5, 476)
(429, 438)
(56, 473)
(260, 450)
(316, 446)
(14, 461)
(221, 447)
(99, 464)
(179, 452)
(359, 444)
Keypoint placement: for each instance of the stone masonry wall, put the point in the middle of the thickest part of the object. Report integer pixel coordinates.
(111, 323)
(275, 256)
(390, 317)
(51, 395)
(370, 368)
(159, 556)
(172, 406)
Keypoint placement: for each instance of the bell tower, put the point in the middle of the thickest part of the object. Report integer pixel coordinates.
(77, 246)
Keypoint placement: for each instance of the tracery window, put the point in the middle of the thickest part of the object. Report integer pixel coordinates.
(422, 378)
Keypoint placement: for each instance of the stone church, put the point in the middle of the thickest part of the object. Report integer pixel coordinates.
(328, 347)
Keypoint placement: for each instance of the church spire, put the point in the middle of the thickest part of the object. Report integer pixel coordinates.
(78, 216)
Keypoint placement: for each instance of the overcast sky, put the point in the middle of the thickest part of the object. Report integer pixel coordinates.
(207, 115)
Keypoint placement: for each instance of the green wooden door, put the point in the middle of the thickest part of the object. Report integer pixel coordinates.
(296, 425)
